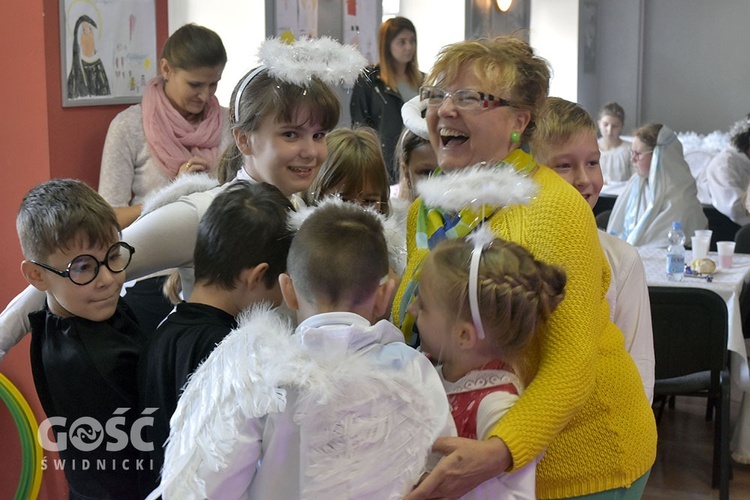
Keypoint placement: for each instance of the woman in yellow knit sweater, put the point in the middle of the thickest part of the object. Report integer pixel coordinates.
(586, 409)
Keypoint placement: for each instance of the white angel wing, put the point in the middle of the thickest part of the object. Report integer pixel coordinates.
(237, 382)
(366, 434)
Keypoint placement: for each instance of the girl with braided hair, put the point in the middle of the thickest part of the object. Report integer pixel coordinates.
(478, 309)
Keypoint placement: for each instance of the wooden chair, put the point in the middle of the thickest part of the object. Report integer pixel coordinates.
(690, 346)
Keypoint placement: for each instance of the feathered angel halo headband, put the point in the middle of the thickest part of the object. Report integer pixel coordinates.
(477, 187)
(740, 127)
(298, 62)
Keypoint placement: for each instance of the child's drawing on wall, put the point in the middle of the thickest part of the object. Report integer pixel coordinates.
(87, 75)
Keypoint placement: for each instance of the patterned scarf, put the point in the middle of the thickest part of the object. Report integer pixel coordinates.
(173, 140)
(435, 225)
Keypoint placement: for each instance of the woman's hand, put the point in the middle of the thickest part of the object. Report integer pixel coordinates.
(193, 165)
(467, 464)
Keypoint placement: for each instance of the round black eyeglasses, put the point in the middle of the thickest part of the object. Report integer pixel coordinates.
(85, 268)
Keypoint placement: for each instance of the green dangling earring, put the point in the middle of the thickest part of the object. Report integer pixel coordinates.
(515, 136)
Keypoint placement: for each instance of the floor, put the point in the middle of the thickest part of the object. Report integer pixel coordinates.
(683, 466)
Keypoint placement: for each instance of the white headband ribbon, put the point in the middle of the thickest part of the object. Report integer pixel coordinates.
(476, 317)
(244, 83)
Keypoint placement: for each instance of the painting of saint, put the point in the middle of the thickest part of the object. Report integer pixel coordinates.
(87, 75)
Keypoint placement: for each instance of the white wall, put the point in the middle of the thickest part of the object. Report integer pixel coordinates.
(438, 23)
(241, 26)
(554, 36)
(696, 71)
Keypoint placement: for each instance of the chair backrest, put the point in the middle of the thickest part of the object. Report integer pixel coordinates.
(742, 239)
(602, 218)
(690, 331)
(724, 228)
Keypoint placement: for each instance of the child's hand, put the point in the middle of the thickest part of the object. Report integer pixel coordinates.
(467, 464)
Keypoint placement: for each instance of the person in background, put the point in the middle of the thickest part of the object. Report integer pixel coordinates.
(660, 192)
(230, 276)
(353, 169)
(179, 127)
(380, 92)
(726, 178)
(565, 141)
(586, 408)
(615, 159)
(416, 160)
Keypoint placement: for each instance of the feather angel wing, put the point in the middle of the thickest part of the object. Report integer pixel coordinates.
(365, 434)
(240, 380)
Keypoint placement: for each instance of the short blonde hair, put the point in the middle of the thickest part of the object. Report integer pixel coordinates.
(558, 121)
(505, 66)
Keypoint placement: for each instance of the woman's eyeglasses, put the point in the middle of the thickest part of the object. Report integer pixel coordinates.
(637, 155)
(85, 268)
(466, 99)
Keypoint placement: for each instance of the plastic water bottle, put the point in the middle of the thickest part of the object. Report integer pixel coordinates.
(676, 253)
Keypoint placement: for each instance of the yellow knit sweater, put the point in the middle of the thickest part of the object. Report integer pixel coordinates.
(586, 406)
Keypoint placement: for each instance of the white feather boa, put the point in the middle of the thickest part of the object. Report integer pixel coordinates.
(497, 186)
(365, 430)
(183, 185)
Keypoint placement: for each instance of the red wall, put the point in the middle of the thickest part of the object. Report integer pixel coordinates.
(39, 140)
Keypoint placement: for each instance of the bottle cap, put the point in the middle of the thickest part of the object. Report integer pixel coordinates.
(677, 225)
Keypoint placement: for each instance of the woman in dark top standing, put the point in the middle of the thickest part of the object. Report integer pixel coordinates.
(382, 89)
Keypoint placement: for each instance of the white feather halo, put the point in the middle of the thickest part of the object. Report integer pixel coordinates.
(303, 59)
(394, 228)
(740, 127)
(496, 186)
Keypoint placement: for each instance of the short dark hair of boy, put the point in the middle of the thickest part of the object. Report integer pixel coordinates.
(59, 212)
(338, 254)
(245, 225)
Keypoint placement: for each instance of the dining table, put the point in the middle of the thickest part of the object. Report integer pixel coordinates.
(729, 285)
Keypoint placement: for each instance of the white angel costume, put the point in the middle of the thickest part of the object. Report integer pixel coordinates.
(724, 182)
(629, 307)
(644, 212)
(340, 409)
(616, 164)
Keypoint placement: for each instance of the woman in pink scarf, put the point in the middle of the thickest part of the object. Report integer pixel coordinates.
(179, 127)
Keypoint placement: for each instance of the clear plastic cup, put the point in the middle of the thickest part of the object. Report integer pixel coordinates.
(700, 246)
(726, 254)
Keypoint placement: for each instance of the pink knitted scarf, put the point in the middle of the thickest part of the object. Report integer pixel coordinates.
(172, 139)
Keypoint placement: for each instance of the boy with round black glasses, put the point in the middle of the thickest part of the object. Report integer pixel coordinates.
(85, 343)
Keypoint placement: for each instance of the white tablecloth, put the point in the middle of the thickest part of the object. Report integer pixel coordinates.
(728, 284)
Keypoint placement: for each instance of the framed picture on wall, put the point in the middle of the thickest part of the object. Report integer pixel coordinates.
(107, 50)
